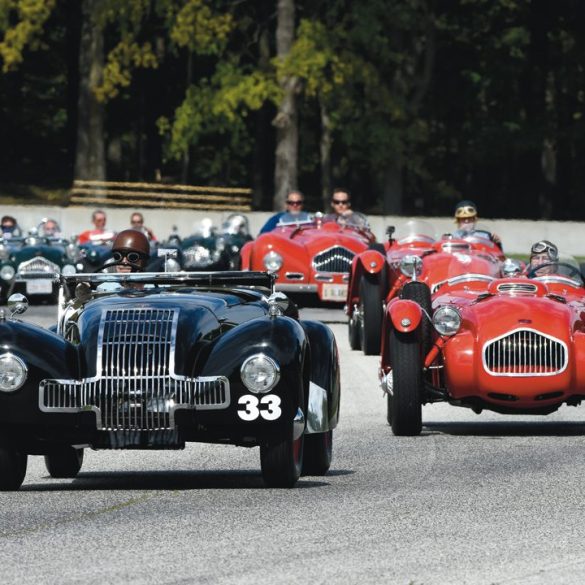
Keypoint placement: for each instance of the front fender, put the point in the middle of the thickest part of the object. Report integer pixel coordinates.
(369, 263)
(45, 354)
(246, 256)
(324, 386)
(405, 315)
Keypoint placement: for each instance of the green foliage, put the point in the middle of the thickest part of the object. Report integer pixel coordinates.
(30, 17)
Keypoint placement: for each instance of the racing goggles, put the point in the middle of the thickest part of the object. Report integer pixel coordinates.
(545, 246)
(132, 257)
(465, 211)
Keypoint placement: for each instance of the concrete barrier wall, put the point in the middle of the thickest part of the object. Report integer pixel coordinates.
(517, 235)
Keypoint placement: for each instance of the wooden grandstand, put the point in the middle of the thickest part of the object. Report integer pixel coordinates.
(128, 194)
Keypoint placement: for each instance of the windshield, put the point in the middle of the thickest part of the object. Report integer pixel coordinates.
(415, 230)
(566, 267)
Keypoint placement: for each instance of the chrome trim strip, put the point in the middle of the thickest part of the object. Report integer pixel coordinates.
(294, 275)
(307, 288)
(318, 411)
(558, 280)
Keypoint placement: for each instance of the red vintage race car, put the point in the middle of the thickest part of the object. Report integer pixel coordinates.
(312, 256)
(412, 253)
(511, 345)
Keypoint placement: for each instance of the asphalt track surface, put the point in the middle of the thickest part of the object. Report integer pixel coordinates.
(485, 499)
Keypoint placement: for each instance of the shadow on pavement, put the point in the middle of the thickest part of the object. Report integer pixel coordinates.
(506, 429)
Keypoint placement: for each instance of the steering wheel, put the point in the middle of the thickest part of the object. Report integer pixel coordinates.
(573, 272)
(134, 267)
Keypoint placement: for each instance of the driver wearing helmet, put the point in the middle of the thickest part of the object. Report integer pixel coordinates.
(131, 251)
(543, 253)
(466, 219)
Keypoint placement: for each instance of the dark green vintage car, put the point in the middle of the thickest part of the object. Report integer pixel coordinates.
(30, 264)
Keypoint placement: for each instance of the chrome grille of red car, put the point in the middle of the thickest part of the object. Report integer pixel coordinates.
(38, 265)
(337, 259)
(135, 387)
(525, 352)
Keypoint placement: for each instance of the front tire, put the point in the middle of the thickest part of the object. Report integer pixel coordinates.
(372, 313)
(420, 293)
(353, 331)
(282, 461)
(12, 469)
(318, 453)
(405, 402)
(65, 463)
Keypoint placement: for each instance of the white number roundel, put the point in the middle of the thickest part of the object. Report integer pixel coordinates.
(267, 407)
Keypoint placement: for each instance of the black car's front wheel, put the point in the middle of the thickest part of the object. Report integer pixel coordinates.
(282, 460)
(405, 396)
(65, 463)
(318, 453)
(12, 469)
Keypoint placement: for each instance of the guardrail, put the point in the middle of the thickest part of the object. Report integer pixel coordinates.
(126, 194)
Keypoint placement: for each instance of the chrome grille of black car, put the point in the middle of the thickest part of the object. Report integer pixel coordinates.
(337, 259)
(38, 265)
(135, 387)
(525, 353)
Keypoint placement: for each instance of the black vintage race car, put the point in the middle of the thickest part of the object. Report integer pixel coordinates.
(154, 360)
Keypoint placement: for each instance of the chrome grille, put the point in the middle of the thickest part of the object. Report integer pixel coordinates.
(337, 259)
(135, 387)
(525, 352)
(38, 265)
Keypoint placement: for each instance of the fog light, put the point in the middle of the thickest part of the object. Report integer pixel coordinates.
(260, 373)
(13, 372)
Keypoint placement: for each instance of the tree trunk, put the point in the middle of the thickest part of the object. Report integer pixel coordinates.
(286, 120)
(90, 158)
(325, 147)
(392, 189)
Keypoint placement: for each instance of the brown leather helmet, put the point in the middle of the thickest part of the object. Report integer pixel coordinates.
(132, 241)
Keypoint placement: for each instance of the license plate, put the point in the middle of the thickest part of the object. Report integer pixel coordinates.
(39, 287)
(334, 292)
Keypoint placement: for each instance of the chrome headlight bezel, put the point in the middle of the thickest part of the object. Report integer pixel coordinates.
(7, 272)
(13, 372)
(68, 270)
(447, 320)
(272, 261)
(260, 373)
(411, 266)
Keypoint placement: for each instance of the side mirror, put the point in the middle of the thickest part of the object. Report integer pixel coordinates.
(17, 303)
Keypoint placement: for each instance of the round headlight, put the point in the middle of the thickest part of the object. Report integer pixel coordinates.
(273, 261)
(68, 270)
(411, 266)
(7, 272)
(197, 256)
(13, 372)
(260, 373)
(447, 320)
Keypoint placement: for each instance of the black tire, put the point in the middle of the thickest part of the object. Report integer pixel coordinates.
(420, 293)
(318, 453)
(282, 461)
(353, 332)
(372, 315)
(405, 404)
(65, 463)
(378, 246)
(12, 469)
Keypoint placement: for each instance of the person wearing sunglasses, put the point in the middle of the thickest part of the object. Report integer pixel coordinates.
(137, 223)
(99, 234)
(130, 251)
(466, 219)
(294, 202)
(9, 227)
(543, 253)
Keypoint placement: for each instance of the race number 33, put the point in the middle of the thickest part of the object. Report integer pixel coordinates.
(267, 407)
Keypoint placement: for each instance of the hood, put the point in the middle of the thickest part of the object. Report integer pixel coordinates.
(54, 254)
(140, 324)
